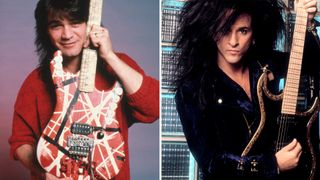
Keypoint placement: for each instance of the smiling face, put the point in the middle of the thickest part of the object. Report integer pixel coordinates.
(233, 45)
(67, 35)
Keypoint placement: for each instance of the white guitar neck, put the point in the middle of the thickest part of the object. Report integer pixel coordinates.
(90, 56)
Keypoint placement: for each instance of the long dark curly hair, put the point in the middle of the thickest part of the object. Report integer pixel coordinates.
(203, 22)
(74, 10)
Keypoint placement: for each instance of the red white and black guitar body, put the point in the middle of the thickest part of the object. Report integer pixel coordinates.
(82, 140)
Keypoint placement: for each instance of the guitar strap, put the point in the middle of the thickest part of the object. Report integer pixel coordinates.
(65, 118)
(60, 148)
(66, 82)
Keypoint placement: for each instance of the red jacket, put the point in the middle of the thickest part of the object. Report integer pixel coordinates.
(34, 108)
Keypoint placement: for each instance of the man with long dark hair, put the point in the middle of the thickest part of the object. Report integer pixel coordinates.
(222, 48)
(61, 30)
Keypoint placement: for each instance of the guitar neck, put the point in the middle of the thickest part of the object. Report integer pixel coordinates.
(290, 96)
(90, 56)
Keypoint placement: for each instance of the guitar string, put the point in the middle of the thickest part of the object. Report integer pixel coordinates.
(280, 137)
(282, 131)
(279, 134)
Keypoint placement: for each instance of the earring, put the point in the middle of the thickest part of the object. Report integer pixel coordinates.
(253, 42)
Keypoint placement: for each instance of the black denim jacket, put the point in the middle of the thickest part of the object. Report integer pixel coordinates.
(218, 134)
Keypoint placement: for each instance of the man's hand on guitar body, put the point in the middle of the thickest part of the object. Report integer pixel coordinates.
(288, 157)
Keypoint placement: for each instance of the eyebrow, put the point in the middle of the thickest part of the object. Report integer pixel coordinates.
(244, 27)
(54, 21)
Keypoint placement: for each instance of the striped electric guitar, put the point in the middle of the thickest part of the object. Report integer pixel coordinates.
(82, 140)
(291, 123)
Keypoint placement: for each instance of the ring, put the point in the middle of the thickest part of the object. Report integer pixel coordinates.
(96, 34)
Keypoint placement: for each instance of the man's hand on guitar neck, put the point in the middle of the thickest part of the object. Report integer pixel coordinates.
(100, 39)
(288, 157)
(311, 8)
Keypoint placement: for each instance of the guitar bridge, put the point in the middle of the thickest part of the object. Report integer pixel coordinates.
(80, 146)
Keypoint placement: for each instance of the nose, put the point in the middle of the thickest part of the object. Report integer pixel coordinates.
(233, 39)
(66, 33)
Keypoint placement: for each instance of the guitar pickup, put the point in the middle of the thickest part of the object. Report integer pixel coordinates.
(80, 146)
(86, 129)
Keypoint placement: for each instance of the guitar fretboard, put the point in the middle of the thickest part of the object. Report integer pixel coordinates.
(290, 96)
(89, 56)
